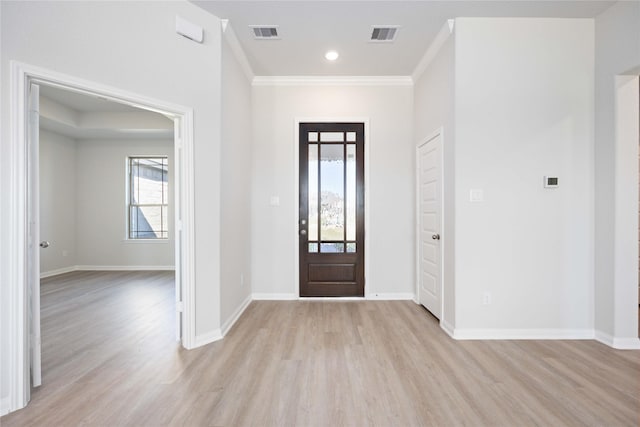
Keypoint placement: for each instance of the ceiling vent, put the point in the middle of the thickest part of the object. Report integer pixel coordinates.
(265, 32)
(384, 33)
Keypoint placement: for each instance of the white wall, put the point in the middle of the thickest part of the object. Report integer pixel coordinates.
(131, 46)
(434, 109)
(101, 182)
(390, 193)
(235, 242)
(83, 204)
(524, 109)
(617, 51)
(57, 201)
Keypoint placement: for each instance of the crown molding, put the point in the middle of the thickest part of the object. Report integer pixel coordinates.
(236, 48)
(332, 81)
(433, 49)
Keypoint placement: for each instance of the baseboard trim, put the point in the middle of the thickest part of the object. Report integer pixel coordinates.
(208, 338)
(376, 296)
(521, 334)
(73, 268)
(228, 324)
(630, 343)
(5, 406)
(448, 328)
(125, 268)
(58, 271)
(391, 296)
(274, 297)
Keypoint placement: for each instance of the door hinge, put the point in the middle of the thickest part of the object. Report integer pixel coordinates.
(179, 307)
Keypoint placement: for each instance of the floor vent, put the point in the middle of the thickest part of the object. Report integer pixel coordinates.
(386, 33)
(265, 32)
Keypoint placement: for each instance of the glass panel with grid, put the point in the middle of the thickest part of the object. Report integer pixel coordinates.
(148, 197)
(331, 192)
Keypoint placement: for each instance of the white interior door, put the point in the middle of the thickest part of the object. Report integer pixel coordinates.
(429, 211)
(34, 234)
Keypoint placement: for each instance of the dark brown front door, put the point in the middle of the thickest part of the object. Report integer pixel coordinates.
(331, 222)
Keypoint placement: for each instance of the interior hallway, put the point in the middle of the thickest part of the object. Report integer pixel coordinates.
(110, 358)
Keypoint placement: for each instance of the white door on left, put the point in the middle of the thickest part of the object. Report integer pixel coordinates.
(33, 213)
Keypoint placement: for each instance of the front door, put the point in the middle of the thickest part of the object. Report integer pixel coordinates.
(331, 220)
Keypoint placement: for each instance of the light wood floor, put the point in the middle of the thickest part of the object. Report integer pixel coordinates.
(110, 360)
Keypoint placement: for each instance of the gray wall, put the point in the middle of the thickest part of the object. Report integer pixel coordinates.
(235, 242)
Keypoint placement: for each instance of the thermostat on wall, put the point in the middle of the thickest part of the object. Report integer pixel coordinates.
(551, 181)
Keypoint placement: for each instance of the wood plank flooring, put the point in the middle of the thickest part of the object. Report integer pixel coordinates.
(110, 359)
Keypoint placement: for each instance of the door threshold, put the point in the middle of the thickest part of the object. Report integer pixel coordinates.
(332, 298)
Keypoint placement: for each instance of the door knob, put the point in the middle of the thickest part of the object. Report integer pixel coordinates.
(44, 244)
(436, 237)
(303, 232)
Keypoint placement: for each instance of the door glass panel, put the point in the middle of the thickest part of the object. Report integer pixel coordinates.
(331, 247)
(351, 192)
(313, 247)
(351, 137)
(313, 192)
(331, 136)
(332, 192)
(351, 247)
(313, 136)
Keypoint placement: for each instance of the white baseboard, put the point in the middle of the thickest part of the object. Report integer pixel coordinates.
(391, 296)
(207, 338)
(125, 267)
(274, 297)
(521, 334)
(228, 324)
(73, 268)
(58, 271)
(376, 296)
(630, 343)
(448, 328)
(5, 405)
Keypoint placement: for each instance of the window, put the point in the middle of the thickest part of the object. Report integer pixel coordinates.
(148, 187)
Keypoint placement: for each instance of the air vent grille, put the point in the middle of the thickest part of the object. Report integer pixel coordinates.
(265, 32)
(384, 33)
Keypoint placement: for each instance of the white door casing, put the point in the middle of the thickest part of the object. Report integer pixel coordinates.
(429, 192)
(33, 212)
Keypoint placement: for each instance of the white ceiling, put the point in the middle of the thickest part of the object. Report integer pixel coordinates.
(85, 103)
(85, 117)
(309, 28)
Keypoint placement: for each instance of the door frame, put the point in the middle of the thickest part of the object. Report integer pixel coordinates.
(21, 77)
(296, 199)
(443, 241)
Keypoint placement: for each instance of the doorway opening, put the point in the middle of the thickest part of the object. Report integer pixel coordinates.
(105, 203)
(24, 240)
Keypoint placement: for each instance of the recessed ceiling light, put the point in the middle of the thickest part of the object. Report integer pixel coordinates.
(331, 55)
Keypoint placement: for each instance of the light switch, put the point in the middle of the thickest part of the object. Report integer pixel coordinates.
(274, 201)
(551, 182)
(476, 195)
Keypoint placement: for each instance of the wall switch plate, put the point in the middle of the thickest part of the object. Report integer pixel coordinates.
(274, 201)
(551, 181)
(486, 298)
(476, 195)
